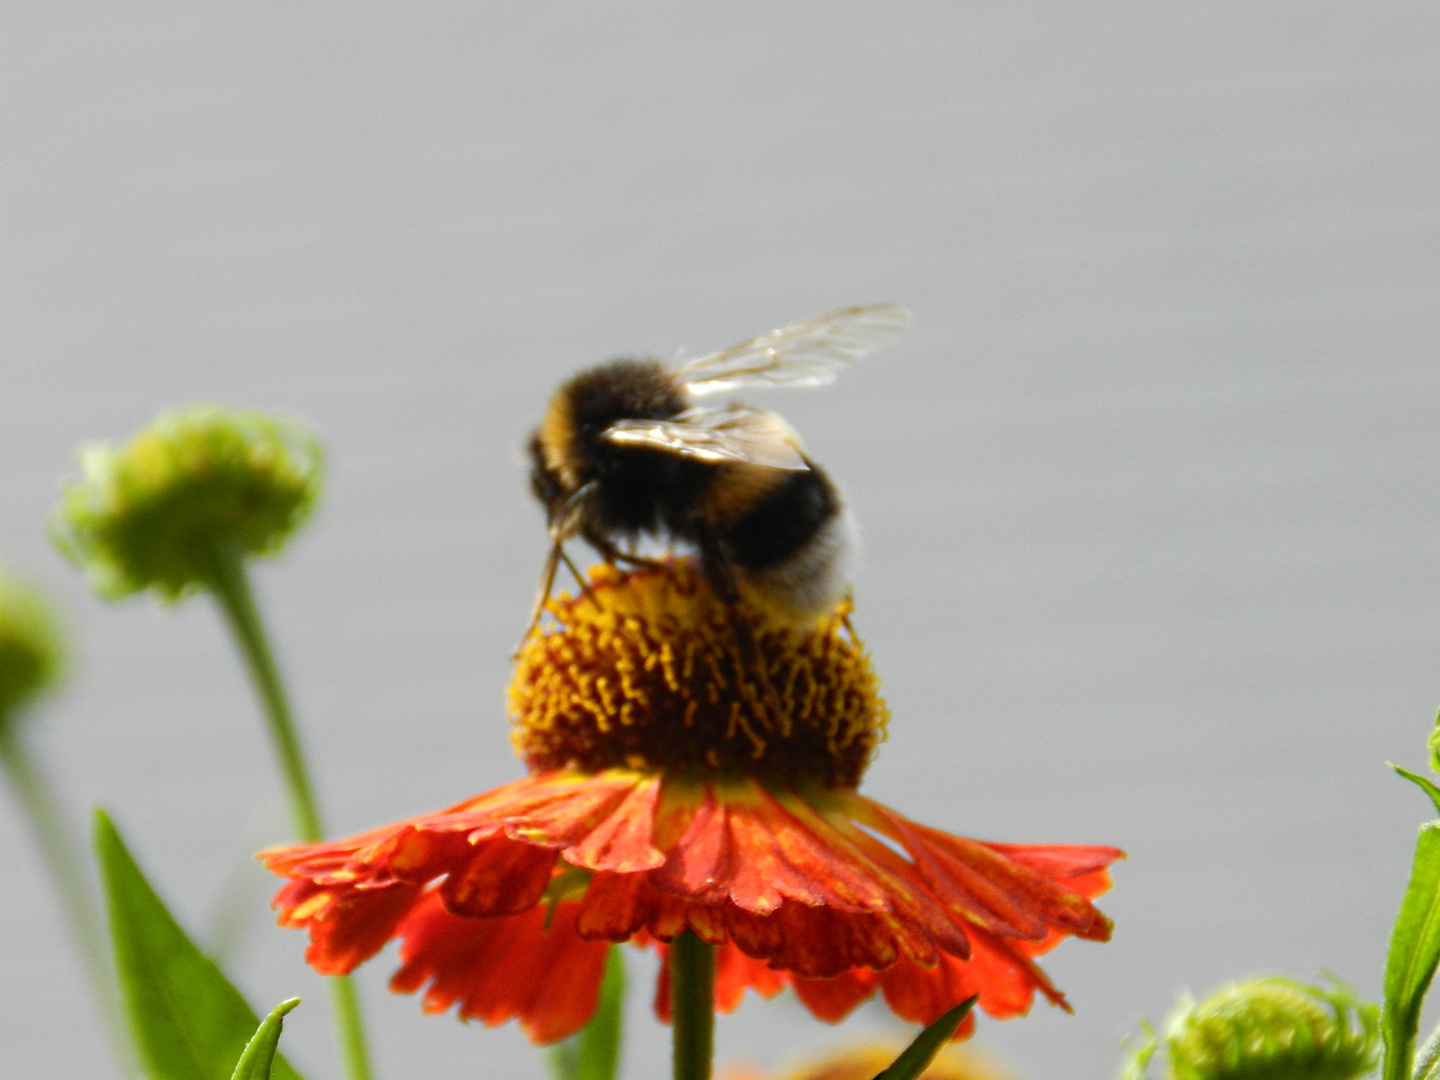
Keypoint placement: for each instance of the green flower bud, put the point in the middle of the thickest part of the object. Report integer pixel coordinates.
(1268, 1029)
(153, 512)
(32, 649)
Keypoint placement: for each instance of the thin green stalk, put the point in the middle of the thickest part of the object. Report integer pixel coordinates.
(64, 861)
(692, 1006)
(351, 1027)
(231, 586)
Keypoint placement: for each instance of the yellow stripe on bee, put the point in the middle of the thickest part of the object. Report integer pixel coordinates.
(557, 440)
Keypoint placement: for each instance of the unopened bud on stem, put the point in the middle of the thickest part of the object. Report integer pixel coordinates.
(32, 649)
(1267, 1029)
(153, 512)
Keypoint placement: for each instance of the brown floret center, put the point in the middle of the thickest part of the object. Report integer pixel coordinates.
(652, 670)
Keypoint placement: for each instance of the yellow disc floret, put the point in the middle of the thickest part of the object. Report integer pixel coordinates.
(650, 669)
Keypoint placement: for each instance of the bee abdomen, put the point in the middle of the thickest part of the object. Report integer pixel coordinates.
(794, 543)
(782, 521)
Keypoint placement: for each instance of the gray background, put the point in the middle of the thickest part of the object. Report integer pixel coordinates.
(1148, 494)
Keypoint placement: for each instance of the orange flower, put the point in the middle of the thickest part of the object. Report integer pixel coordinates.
(687, 773)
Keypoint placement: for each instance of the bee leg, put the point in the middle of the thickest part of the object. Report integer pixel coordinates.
(542, 594)
(613, 555)
(602, 545)
(638, 561)
(562, 526)
(718, 571)
(579, 577)
(720, 574)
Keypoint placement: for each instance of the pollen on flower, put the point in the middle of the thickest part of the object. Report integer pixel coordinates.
(651, 670)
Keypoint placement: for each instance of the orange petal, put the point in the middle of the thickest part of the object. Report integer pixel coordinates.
(1004, 888)
(832, 999)
(503, 877)
(816, 942)
(1005, 980)
(625, 841)
(1059, 861)
(781, 860)
(827, 889)
(401, 852)
(735, 973)
(569, 806)
(699, 866)
(616, 906)
(347, 925)
(1010, 887)
(920, 923)
(499, 969)
(1090, 885)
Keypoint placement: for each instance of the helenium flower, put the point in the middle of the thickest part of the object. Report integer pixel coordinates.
(683, 786)
(152, 513)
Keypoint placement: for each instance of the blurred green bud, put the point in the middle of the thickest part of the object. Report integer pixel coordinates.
(32, 649)
(153, 512)
(1267, 1029)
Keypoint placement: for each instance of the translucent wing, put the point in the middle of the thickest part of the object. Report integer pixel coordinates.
(807, 353)
(744, 435)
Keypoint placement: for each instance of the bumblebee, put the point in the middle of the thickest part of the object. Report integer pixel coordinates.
(625, 452)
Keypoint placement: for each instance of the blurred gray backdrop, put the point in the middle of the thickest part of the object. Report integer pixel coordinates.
(1149, 493)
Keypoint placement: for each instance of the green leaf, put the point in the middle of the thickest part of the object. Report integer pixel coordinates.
(255, 1062)
(917, 1056)
(188, 1022)
(1414, 953)
(1424, 783)
(594, 1053)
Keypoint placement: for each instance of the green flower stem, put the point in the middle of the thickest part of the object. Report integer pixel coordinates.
(231, 587)
(692, 1006)
(351, 1024)
(64, 861)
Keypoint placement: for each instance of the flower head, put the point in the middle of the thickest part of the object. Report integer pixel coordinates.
(689, 773)
(1268, 1029)
(151, 513)
(32, 649)
(648, 672)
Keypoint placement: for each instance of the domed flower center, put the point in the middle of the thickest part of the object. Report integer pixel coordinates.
(652, 671)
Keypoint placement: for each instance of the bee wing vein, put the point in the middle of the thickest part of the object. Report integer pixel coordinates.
(738, 435)
(805, 353)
